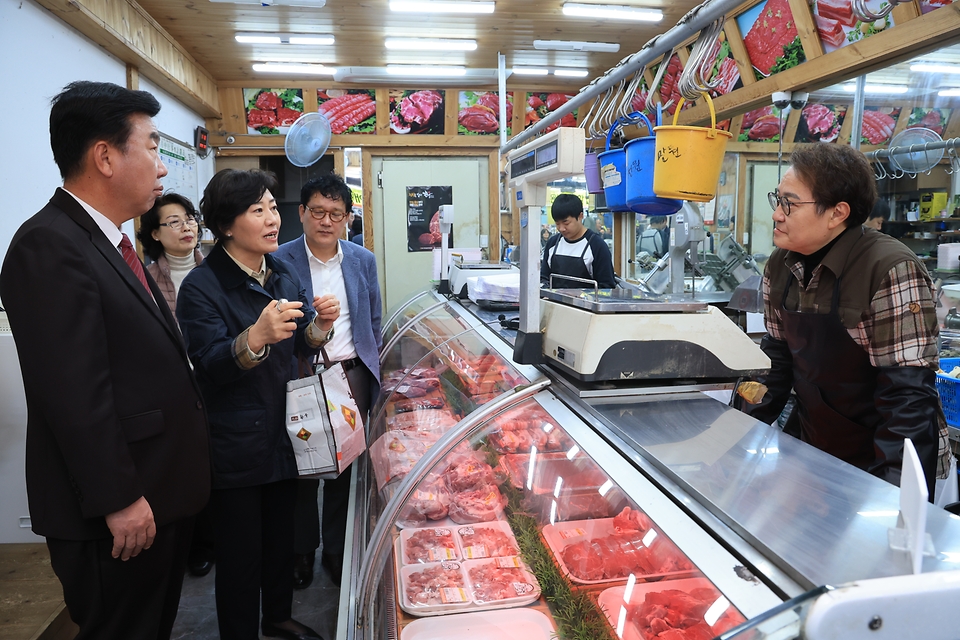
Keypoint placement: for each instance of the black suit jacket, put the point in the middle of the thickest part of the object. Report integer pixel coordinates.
(113, 410)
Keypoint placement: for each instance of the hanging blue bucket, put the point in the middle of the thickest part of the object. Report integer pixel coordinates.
(640, 154)
(613, 165)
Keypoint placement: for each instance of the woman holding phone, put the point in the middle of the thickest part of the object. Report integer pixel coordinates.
(244, 316)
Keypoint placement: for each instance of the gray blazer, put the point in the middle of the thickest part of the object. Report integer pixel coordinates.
(363, 298)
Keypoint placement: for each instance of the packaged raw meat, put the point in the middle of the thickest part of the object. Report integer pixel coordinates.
(434, 585)
(488, 540)
(439, 421)
(430, 501)
(467, 473)
(428, 545)
(631, 520)
(523, 440)
(500, 580)
(416, 404)
(394, 453)
(549, 468)
(480, 505)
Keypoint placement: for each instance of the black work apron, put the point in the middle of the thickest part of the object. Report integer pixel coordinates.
(834, 382)
(570, 266)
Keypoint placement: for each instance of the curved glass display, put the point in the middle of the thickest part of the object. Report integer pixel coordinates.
(517, 516)
(407, 311)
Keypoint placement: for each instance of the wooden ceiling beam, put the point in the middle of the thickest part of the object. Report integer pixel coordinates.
(125, 30)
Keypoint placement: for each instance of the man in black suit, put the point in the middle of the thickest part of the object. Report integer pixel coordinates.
(117, 457)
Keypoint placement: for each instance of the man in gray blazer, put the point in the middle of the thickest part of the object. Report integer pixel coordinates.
(327, 264)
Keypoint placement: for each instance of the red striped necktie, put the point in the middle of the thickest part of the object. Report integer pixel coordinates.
(133, 261)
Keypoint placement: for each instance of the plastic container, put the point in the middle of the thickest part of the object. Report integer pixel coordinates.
(947, 388)
(421, 595)
(591, 170)
(689, 159)
(613, 171)
(431, 544)
(641, 162)
(475, 540)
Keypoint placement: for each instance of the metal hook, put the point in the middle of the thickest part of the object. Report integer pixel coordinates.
(865, 15)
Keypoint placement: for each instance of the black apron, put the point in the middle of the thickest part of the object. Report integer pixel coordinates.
(834, 382)
(570, 266)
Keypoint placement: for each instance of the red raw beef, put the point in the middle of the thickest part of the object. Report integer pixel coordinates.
(424, 587)
(933, 121)
(729, 74)
(430, 501)
(819, 118)
(492, 101)
(287, 116)
(495, 543)
(268, 100)
(764, 128)
(430, 545)
(491, 583)
(839, 10)
(257, 118)
(678, 615)
(556, 100)
(751, 116)
(420, 106)
(877, 126)
(670, 87)
(467, 474)
(631, 520)
(481, 505)
(831, 32)
(478, 119)
(772, 31)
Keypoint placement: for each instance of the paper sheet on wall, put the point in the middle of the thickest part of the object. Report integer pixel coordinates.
(181, 163)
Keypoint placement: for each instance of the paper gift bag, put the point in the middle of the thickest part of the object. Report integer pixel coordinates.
(308, 426)
(343, 415)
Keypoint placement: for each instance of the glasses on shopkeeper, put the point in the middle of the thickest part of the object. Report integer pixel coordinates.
(177, 224)
(320, 214)
(776, 199)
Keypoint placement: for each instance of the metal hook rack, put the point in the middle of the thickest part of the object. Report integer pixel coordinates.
(951, 145)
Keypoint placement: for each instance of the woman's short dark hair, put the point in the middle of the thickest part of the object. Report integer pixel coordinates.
(836, 173)
(330, 186)
(85, 112)
(150, 222)
(229, 194)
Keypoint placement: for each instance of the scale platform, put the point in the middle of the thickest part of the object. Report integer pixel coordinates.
(617, 334)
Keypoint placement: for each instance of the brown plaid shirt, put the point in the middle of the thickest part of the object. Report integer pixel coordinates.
(893, 331)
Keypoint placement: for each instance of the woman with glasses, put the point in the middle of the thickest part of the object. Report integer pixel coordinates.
(851, 324)
(245, 317)
(169, 234)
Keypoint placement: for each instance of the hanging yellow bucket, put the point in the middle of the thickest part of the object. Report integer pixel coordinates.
(689, 159)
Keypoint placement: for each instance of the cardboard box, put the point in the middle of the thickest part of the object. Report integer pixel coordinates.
(931, 204)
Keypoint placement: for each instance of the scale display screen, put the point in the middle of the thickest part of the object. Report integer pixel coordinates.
(523, 165)
(547, 155)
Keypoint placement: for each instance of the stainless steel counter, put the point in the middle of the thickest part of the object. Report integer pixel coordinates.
(820, 520)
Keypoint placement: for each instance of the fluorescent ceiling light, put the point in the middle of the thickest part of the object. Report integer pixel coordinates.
(437, 6)
(303, 38)
(424, 70)
(933, 67)
(284, 38)
(571, 73)
(530, 71)
(878, 88)
(575, 45)
(949, 93)
(430, 44)
(302, 69)
(258, 38)
(612, 12)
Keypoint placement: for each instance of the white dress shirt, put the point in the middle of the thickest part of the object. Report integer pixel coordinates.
(113, 233)
(327, 277)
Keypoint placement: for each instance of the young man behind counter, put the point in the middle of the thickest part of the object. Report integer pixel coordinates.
(575, 251)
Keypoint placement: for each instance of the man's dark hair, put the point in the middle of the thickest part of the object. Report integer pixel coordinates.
(87, 112)
(836, 173)
(565, 206)
(357, 227)
(880, 210)
(329, 186)
(150, 222)
(657, 220)
(229, 194)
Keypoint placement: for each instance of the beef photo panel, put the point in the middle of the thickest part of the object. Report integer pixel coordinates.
(838, 25)
(878, 124)
(479, 113)
(820, 123)
(272, 111)
(417, 111)
(771, 39)
(539, 105)
(349, 110)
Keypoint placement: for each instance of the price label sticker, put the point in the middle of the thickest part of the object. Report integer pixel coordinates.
(453, 595)
(465, 531)
(522, 588)
(566, 534)
(509, 562)
(441, 553)
(475, 551)
(442, 533)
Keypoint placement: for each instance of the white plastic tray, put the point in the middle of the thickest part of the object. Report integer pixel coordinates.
(561, 534)
(612, 603)
(510, 624)
(438, 555)
(452, 599)
(480, 551)
(528, 589)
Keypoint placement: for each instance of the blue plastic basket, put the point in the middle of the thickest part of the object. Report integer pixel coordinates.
(947, 388)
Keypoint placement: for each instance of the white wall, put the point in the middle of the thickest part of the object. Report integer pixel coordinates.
(41, 55)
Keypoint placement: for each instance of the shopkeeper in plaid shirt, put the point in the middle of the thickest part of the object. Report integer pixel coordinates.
(850, 322)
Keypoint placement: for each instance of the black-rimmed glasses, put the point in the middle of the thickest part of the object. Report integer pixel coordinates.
(775, 199)
(177, 224)
(320, 214)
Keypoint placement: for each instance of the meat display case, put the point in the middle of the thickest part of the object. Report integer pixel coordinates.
(493, 488)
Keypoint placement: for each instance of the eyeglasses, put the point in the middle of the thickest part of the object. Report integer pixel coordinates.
(177, 224)
(776, 199)
(320, 214)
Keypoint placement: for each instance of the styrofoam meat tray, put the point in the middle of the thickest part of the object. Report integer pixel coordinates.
(474, 551)
(561, 534)
(443, 552)
(509, 624)
(612, 603)
(528, 589)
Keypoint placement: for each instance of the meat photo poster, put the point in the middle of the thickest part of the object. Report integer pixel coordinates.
(878, 124)
(725, 69)
(670, 86)
(479, 113)
(761, 125)
(539, 105)
(839, 26)
(417, 111)
(423, 217)
(771, 38)
(933, 119)
(272, 111)
(349, 110)
(820, 123)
